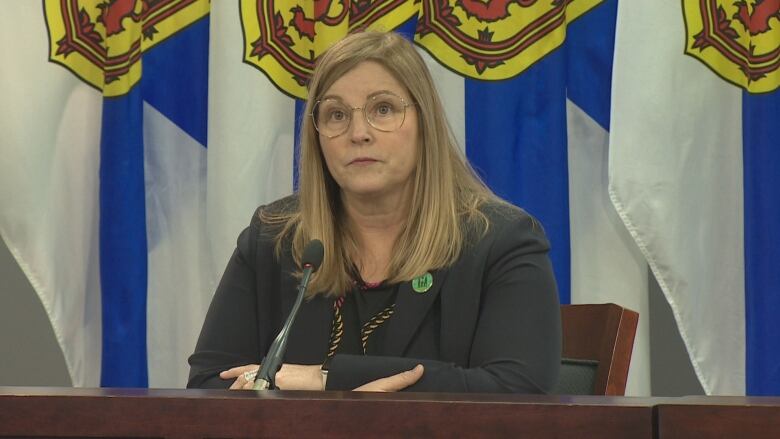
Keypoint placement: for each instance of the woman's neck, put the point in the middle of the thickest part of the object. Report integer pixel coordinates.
(375, 225)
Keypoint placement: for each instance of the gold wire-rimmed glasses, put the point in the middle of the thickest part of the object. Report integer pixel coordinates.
(384, 111)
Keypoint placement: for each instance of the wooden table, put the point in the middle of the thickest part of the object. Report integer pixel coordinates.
(76, 412)
(704, 417)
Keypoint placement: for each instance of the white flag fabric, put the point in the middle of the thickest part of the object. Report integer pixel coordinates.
(251, 134)
(693, 174)
(49, 160)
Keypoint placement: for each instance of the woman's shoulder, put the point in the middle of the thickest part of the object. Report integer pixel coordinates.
(499, 210)
(271, 217)
(279, 208)
(500, 214)
(505, 221)
(268, 220)
(265, 226)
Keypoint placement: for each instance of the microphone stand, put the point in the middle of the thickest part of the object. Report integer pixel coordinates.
(273, 361)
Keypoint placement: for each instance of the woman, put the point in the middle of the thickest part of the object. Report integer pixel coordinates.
(429, 282)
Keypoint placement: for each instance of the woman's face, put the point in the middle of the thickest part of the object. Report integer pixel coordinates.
(364, 160)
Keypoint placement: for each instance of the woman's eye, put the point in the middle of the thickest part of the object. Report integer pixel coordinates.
(337, 115)
(384, 109)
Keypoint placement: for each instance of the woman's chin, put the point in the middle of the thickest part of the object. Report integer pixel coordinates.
(368, 191)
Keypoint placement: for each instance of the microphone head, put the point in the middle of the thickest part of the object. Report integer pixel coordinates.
(313, 254)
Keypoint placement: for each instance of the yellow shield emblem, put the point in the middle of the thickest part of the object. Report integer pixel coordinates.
(738, 40)
(283, 38)
(495, 39)
(101, 41)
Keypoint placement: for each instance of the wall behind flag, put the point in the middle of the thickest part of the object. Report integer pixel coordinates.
(30, 352)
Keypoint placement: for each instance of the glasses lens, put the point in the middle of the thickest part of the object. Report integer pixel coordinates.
(385, 112)
(331, 117)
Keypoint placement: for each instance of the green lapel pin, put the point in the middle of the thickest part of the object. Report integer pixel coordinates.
(422, 283)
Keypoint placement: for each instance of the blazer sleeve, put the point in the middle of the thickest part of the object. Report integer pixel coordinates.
(517, 342)
(229, 336)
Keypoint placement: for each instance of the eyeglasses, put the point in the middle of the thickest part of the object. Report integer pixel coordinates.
(385, 112)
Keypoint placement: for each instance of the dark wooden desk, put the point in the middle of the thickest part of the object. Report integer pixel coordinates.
(704, 417)
(69, 412)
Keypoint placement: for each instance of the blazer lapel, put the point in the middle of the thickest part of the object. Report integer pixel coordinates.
(411, 308)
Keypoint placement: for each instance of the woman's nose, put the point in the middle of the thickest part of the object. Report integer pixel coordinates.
(360, 130)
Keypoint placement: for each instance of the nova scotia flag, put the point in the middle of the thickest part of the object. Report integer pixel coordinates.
(102, 187)
(694, 171)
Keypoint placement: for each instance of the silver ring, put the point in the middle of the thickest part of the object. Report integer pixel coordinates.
(250, 375)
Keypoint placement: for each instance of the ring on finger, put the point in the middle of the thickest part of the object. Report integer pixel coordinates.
(249, 376)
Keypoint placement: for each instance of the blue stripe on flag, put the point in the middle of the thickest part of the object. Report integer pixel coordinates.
(300, 107)
(175, 82)
(175, 78)
(590, 43)
(761, 164)
(408, 28)
(123, 269)
(516, 139)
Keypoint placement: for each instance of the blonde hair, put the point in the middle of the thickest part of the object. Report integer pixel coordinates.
(447, 193)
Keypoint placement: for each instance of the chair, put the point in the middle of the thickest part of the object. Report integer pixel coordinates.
(597, 345)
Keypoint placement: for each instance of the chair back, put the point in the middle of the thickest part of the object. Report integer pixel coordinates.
(597, 345)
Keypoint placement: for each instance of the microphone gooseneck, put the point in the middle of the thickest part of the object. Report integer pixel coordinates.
(313, 254)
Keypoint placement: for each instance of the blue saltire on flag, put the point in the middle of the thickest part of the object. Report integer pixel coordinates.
(123, 269)
(590, 44)
(174, 82)
(761, 173)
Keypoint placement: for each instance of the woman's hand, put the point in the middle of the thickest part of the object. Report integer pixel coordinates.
(241, 382)
(289, 377)
(303, 377)
(394, 383)
(299, 377)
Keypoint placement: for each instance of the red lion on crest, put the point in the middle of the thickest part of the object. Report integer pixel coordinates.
(491, 10)
(758, 21)
(305, 26)
(112, 12)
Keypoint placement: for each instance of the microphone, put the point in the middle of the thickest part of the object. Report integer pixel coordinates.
(312, 258)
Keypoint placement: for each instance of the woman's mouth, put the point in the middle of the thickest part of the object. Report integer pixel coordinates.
(363, 161)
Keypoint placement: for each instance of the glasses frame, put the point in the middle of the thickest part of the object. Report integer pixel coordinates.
(362, 110)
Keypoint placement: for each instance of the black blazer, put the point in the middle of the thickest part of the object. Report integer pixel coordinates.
(489, 323)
